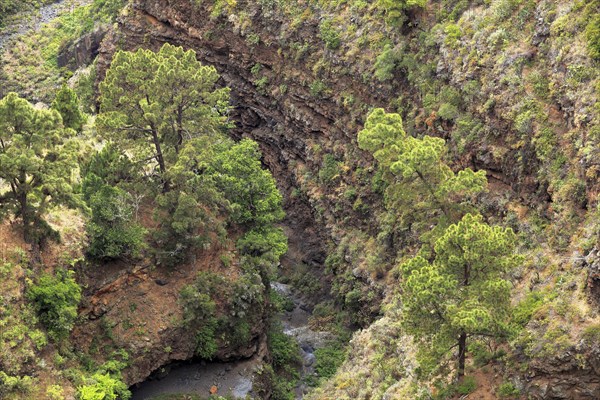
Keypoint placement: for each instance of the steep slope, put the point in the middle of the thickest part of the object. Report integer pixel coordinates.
(510, 85)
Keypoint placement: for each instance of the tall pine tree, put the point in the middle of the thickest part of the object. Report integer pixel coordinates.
(463, 293)
(37, 161)
(154, 102)
(422, 189)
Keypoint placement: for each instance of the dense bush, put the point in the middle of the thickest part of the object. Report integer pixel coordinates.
(199, 312)
(508, 390)
(67, 104)
(527, 307)
(14, 384)
(395, 10)
(329, 359)
(103, 387)
(56, 298)
(592, 34)
(285, 362)
(250, 190)
(329, 34)
(386, 63)
(113, 231)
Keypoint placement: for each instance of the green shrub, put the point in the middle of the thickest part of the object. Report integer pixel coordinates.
(282, 374)
(328, 360)
(448, 112)
(592, 333)
(394, 10)
(66, 103)
(280, 302)
(467, 385)
(267, 384)
(113, 231)
(55, 392)
(56, 299)
(103, 386)
(199, 314)
(453, 34)
(507, 389)
(269, 243)
(592, 35)
(108, 166)
(482, 354)
(15, 384)
(523, 312)
(284, 351)
(330, 169)
(183, 222)
(317, 88)
(385, 64)
(329, 34)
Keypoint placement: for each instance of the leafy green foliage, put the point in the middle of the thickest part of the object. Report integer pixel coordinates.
(466, 386)
(386, 63)
(106, 383)
(108, 167)
(36, 164)
(269, 243)
(67, 104)
(329, 34)
(284, 350)
(153, 103)
(282, 374)
(462, 293)
(421, 186)
(241, 300)
(199, 313)
(592, 34)
(103, 387)
(527, 307)
(15, 384)
(508, 390)
(113, 231)
(250, 190)
(591, 333)
(180, 131)
(330, 169)
(395, 10)
(184, 226)
(56, 299)
(328, 360)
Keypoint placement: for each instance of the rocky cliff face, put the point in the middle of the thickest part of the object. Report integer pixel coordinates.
(531, 127)
(137, 309)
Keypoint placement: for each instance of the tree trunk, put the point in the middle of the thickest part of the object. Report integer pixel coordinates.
(25, 216)
(462, 351)
(160, 158)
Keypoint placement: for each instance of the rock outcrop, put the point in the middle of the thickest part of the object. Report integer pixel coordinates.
(82, 51)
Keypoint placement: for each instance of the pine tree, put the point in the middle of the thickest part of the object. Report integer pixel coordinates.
(37, 161)
(152, 103)
(67, 104)
(250, 190)
(422, 188)
(463, 293)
